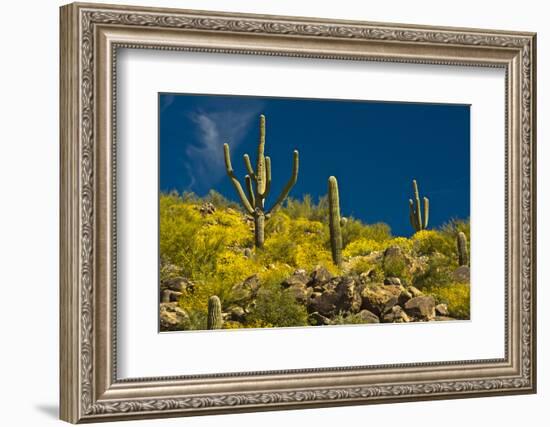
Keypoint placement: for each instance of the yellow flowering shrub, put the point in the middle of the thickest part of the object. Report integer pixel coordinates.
(456, 296)
(362, 246)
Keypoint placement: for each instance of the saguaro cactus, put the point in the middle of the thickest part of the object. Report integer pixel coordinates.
(335, 222)
(462, 248)
(254, 200)
(214, 320)
(415, 212)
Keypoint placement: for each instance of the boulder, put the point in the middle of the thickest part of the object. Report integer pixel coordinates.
(299, 277)
(379, 298)
(443, 318)
(207, 209)
(246, 290)
(462, 274)
(172, 316)
(300, 292)
(177, 284)
(367, 317)
(415, 292)
(320, 275)
(442, 309)
(168, 295)
(422, 307)
(339, 295)
(404, 297)
(392, 281)
(235, 313)
(396, 315)
(318, 319)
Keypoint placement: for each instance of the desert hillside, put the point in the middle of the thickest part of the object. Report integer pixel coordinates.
(212, 276)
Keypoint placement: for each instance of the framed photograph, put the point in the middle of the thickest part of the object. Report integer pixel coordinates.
(267, 212)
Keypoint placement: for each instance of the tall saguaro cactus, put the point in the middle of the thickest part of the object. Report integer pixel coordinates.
(258, 185)
(462, 248)
(214, 320)
(415, 212)
(335, 222)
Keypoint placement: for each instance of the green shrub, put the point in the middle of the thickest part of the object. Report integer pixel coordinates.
(278, 308)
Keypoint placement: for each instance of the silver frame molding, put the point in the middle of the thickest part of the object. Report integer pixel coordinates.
(90, 37)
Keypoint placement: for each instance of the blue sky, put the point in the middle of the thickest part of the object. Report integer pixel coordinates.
(375, 149)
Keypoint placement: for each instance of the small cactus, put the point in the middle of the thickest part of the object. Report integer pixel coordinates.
(415, 212)
(462, 248)
(214, 313)
(335, 222)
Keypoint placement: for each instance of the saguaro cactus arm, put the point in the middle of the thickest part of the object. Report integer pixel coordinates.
(426, 212)
(250, 190)
(268, 176)
(415, 210)
(248, 166)
(289, 184)
(229, 169)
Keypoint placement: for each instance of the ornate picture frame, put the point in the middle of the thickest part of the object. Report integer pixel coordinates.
(90, 37)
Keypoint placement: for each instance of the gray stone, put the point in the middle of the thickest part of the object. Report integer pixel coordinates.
(380, 298)
(177, 284)
(392, 281)
(319, 319)
(462, 274)
(368, 317)
(396, 315)
(442, 309)
(246, 290)
(320, 275)
(422, 307)
(299, 277)
(172, 317)
(168, 295)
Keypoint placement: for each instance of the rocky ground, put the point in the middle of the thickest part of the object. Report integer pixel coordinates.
(329, 299)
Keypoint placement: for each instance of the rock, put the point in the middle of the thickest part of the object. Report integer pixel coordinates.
(393, 251)
(177, 284)
(170, 296)
(380, 298)
(348, 296)
(404, 297)
(443, 318)
(368, 317)
(396, 315)
(339, 295)
(462, 274)
(247, 252)
(442, 309)
(320, 275)
(207, 209)
(392, 281)
(235, 313)
(422, 307)
(172, 316)
(319, 319)
(300, 292)
(299, 278)
(415, 292)
(246, 290)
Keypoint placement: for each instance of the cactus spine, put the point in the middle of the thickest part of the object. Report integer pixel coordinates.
(214, 320)
(462, 248)
(415, 212)
(254, 200)
(335, 222)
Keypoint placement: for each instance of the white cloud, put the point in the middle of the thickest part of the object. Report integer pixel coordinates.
(205, 162)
